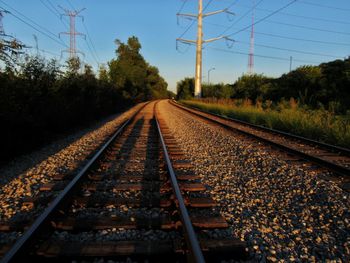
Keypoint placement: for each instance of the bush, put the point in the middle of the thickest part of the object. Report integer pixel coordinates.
(319, 124)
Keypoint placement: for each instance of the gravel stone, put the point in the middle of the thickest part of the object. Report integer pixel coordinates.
(23, 177)
(284, 211)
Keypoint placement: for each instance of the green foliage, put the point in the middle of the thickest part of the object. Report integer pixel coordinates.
(185, 89)
(319, 124)
(38, 101)
(318, 87)
(220, 91)
(251, 86)
(133, 76)
(303, 84)
(10, 49)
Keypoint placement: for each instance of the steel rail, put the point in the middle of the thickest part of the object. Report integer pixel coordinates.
(327, 146)
(23, 243)
(342, 170)
(190, 235)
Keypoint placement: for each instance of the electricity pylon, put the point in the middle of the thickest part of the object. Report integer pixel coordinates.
(199, 43)
(72, 32)
(251, 49)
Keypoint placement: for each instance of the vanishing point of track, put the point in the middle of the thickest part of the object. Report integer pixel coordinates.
(138, 181)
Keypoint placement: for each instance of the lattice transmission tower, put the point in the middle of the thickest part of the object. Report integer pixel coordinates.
(72, 32)
(2, 31)
(251, 49)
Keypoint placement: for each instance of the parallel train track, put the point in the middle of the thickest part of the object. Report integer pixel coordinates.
(332, 158)
(138, 197)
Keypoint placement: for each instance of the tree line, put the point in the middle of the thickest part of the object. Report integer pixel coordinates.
(323, 86)
(39, 99)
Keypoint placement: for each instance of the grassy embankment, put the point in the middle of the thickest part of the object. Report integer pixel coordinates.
(319, 125)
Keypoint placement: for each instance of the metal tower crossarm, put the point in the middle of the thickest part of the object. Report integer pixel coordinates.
(72, 32)
(199, 42)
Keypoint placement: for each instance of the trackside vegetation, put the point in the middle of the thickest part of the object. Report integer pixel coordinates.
(311, 101)
(39, 99)
(318, 124)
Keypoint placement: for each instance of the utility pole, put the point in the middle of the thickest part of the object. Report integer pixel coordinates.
(290, 63)
(72, 32)
(36, 44)
(209, 75)
(251, 50)
(199, 44)
(2, 31)
(198, 75)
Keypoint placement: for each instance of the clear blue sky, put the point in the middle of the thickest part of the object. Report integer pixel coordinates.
(154, 22)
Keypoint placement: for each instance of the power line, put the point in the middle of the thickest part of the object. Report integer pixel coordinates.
(54, 8)
(189, 27)
(303, 17)
(70, 3)
(306, 27)
(48, 7)
(93, 50)
(290, 38)
(234, 3)
(182, 6)
(244, 15)
(324, 6)
(36, 29)
(304, 39)
(291, 50)
(265, 17)
(31, 22)
(262, 56)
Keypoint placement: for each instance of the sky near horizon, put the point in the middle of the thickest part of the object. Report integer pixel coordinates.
(309, 31)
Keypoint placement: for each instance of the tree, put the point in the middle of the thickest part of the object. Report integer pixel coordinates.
(185, 89)
(132, 75)
(220, 91)
(250, 86)
(103, 74)
(73, 66)
(302, 83)
(10, 50)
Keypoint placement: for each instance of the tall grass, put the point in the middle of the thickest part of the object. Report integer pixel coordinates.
(319, 124)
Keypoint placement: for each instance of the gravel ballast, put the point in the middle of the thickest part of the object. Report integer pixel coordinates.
(23, 177)
(284, 211)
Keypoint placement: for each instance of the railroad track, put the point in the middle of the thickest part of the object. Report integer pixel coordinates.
(137, 198)
(293, 148)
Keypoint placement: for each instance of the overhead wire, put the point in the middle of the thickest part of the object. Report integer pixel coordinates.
(241, 17)
(261, 56)
(264, 18)
(291, 50)
(38, 30)
(93, 50)
(182, 6)
(324, 6)
(303, 39)
(71, 5)
(287, 37)
(34, 24)
(307, 27)
(302, 16)
(48, 7)
(192, 23)
(55, 12)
